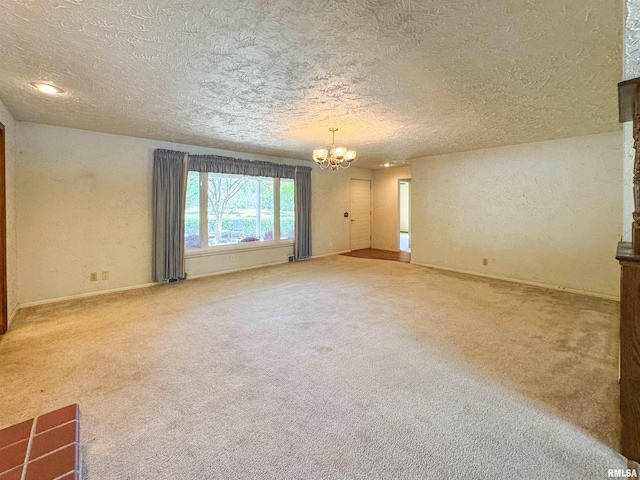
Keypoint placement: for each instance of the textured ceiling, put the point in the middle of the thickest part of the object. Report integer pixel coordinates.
(399, 78)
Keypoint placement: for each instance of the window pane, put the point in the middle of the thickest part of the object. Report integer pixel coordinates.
(224, 200)
(240, 208)
(192, 212)
(286, 208)
(264, 226)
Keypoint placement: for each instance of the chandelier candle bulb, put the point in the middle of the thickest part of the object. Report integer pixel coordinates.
(335, 157)
(320, 154)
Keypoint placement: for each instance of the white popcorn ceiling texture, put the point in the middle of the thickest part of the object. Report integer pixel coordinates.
(400, 78)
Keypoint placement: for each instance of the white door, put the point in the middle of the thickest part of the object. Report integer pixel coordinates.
(360, 214)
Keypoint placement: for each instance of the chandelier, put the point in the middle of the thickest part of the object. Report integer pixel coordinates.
(335, 157)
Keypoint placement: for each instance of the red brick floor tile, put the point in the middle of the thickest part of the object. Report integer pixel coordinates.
(53, 465)
(56, 418)
(13, 455)
(53, 439)
(15, 433)
(13, 474)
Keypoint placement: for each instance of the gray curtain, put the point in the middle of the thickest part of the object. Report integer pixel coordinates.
(169, 197)
(302, 187)
(237, 166)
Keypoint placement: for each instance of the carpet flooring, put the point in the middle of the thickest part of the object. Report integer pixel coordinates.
(336, 367)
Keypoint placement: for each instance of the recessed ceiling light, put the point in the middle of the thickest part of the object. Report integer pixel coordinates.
(387, 165)
(47, 88)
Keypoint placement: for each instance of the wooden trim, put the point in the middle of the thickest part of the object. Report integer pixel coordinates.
(4, 323)
(626, 98)
(625, 254)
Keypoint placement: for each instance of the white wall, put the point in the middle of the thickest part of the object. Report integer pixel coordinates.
(547, 212)
(330, 200)
(10, 171)
(84, 205)
(385, 218)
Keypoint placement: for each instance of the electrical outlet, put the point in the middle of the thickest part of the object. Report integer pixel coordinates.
(93, 277)
(105, 275)
(485, 261)
(232, 257)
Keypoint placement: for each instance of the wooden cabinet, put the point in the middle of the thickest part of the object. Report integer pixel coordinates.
(629, 350)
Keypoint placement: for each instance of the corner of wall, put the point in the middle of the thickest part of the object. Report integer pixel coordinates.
(6, 118)
(385, 219)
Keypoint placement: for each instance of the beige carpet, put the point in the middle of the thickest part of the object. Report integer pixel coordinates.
(333, 368)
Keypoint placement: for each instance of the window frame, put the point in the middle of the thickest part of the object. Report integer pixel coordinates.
(205, 249)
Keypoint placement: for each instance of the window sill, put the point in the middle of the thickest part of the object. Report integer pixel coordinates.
(236, 247)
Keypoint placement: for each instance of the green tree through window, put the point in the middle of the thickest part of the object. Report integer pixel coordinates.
(221, 191)
(236, 208)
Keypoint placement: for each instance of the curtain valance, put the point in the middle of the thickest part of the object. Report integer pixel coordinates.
(237, 166)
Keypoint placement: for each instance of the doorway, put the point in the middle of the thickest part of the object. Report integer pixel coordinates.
(4, 322)
(360, 212)
(404, 214)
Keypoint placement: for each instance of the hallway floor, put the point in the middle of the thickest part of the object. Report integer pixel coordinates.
(376, 254)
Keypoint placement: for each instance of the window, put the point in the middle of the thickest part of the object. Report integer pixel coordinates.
(226, 209)
(192, 212)
(287, 219)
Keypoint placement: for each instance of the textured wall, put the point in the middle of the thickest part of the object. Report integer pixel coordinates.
(546, 212)
(631, 67)
(385, 221)
(84, 205)
(12, 240)
(331, 199)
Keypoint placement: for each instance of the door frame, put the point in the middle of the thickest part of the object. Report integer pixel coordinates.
(370, 208)
(4, 323)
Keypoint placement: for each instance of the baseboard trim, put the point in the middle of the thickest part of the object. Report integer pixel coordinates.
(13, 315)
(145, 285)
(329, 254)
(523, 282)
(233, 270)
(84, 295)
